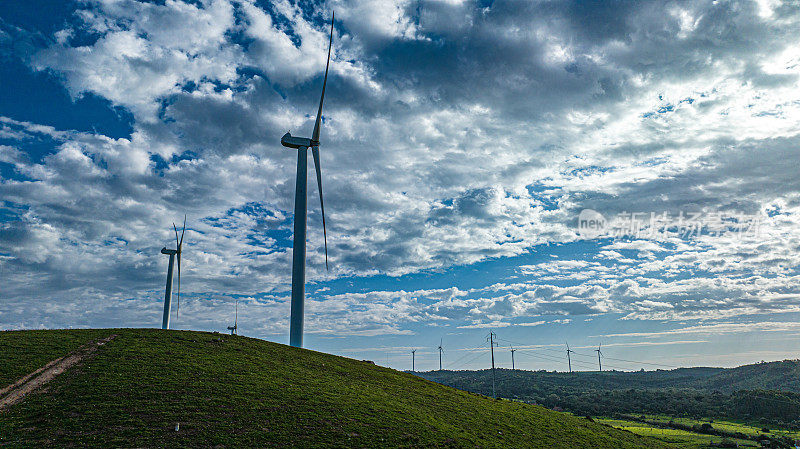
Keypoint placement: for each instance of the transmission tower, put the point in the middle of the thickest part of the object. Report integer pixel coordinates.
(492, 344)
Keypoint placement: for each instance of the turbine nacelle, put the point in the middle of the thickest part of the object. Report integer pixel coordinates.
(170, 252)
(297, 142)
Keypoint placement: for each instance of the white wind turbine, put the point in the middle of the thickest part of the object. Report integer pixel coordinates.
(302, 144)
(168, 294)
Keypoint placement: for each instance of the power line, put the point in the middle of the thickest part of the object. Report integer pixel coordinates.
(466, 359)
(474, 357)
(642, 363)
(580, 354)
(482, 345)
(465, 362)
(540, 356)
(559, 360)
(549, 359)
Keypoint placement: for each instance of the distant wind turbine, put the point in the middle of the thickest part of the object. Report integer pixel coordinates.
(302, 144)
(569, 361)
(168, 294)
(512, 357)
(599, 353)
(440, 354)
(235, 319)
(413, 360)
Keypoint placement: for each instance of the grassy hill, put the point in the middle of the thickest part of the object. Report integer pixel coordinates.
(228, 391)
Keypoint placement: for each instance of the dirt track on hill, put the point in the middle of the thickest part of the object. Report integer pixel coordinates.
(33, 381)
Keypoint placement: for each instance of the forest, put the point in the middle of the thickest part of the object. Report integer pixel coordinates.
(762, 393)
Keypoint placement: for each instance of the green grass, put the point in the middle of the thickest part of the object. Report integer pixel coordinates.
(727, 426)
(23, 352)
(244, 392)
(675, 437)
(753, 429)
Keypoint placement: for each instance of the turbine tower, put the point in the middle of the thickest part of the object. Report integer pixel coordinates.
(302, 144)
(440, 354)
(599, 353)
(569, 361)
(413, 357)
(512, 357)
(235, 326)
(168, 294)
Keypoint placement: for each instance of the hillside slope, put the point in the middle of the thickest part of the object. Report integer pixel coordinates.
(239, 392)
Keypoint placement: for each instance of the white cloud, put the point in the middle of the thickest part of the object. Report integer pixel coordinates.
(452, 135)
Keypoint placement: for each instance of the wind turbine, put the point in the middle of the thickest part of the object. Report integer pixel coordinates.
(512, 357)
(302, 144)
(599, 353)
(168, 295)
(569, 361)
(440, 354)
(235, 319)
(413, 357)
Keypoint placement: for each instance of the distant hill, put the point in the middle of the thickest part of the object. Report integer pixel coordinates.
(228, 391)
(765, 392)
(784, 375)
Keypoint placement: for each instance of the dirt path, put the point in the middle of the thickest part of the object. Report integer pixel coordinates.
(33, 381)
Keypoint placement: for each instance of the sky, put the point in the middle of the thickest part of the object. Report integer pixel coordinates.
(617, 173)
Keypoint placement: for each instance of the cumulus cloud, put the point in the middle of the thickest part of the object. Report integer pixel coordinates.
(454, 133)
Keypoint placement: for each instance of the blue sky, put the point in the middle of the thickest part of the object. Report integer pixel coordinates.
(461, 142)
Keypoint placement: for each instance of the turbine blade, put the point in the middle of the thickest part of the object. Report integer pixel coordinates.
(178, 245)
(182, 232)
(315, 134)
(315, 152)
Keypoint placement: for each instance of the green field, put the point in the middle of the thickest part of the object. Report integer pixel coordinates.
(229, 391)
(728, 426)
(688, 439)
(675, 437)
